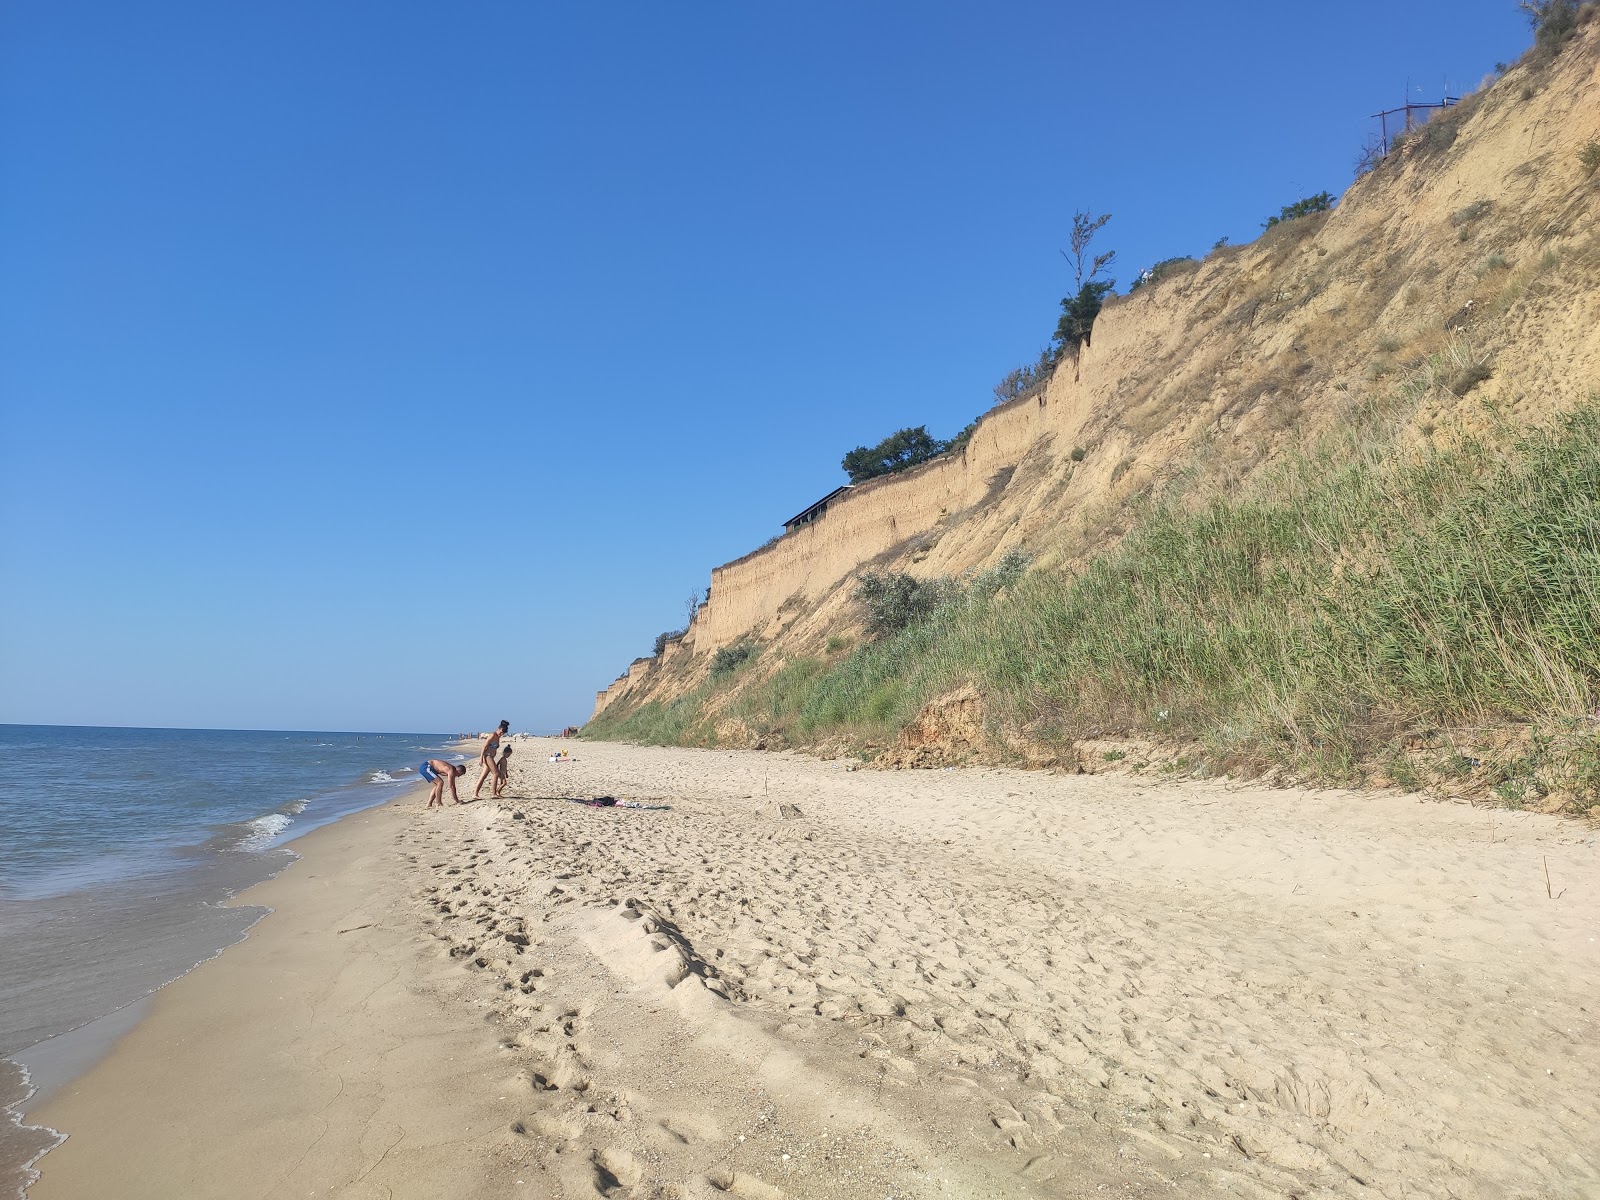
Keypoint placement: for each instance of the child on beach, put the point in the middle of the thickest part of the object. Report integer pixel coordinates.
(501, 769)
(436, 771)
(486, 756)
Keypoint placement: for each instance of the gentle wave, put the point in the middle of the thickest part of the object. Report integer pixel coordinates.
(261, 831)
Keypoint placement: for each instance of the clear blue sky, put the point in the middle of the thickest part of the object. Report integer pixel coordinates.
(404, 366)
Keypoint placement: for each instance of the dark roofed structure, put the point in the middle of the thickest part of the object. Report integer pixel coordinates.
(806, 516)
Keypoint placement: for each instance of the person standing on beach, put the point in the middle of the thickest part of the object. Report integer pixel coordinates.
(501, 770)
(436, 771)
(486, 755)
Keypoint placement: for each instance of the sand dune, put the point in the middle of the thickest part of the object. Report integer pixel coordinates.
(804, 981)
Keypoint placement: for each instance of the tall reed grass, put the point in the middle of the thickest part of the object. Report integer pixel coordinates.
(1358, 591)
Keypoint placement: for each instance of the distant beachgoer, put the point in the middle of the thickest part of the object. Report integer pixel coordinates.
(437, 772)
(501, 770)
(486, 755)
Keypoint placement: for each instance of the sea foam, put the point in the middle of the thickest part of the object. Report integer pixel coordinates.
(260, 832)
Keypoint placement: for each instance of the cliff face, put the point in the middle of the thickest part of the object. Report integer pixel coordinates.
(1465, 268)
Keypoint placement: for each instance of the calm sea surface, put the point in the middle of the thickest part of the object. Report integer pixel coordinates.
(119, 846)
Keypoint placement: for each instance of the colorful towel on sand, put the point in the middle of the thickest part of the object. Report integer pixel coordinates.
(613, 802)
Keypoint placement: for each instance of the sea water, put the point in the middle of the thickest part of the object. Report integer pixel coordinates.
(120, 847)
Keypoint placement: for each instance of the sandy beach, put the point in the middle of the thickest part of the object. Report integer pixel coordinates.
(803, 980)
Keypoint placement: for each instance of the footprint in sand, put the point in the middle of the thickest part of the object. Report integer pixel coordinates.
(616, 1169)
(746, 1187)
(554, 1076)
(553, 1128)
(689, 1129)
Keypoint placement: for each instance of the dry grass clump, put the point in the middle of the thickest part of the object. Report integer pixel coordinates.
(1456, 369)
(1589, 157)
(1555, 23)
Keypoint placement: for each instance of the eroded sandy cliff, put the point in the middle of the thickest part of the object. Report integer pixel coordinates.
(1474, 251)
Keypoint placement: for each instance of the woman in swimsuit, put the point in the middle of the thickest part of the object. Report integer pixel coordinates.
(486, 755)
(501, 770)
(436, 771)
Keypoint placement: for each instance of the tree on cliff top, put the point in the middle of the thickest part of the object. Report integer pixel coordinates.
(902, 449)
(1079, 310)
(1304, 207)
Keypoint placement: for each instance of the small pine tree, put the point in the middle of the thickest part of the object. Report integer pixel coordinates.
(1078, 313)
(1079, 310)
(1321, 202)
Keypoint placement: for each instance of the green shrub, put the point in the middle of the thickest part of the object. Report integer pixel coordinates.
(1162, 269)
(1589, 157)
(1004, 574)
(891, 600)
(1321, 202)
(663, 640)
(1077, 453)
(1554, 22)
(729, 659)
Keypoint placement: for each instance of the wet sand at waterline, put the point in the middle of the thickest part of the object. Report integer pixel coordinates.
(917, 984)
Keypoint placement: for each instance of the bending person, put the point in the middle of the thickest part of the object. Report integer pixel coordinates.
(487, 754)
(436, 771)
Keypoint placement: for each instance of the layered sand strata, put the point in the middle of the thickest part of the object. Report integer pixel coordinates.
(962, 983)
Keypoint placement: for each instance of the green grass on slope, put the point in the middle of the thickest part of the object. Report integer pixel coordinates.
(1358, 592)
